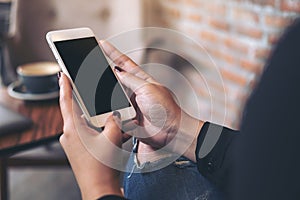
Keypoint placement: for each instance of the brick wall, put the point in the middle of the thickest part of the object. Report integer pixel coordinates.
(238, 34)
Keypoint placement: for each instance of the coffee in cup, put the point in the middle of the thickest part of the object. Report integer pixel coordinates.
(39, 77)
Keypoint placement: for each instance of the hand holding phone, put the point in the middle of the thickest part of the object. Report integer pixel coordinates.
(95, 86)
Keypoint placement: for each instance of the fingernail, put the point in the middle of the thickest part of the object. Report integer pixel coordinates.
(119, 69)
(117, 114)
(58, 75)
(59, 79)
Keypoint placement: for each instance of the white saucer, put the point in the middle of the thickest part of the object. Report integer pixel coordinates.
(18, 91)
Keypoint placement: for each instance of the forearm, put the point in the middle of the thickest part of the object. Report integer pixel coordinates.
(93, 182)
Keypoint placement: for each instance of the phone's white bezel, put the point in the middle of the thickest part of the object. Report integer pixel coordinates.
(69, 34)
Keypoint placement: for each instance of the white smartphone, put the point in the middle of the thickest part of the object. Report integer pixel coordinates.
(95, 85)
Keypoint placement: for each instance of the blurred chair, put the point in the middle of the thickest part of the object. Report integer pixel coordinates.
(30, 20)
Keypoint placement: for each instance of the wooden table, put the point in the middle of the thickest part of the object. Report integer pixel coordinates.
(47, 123)
(47, 126)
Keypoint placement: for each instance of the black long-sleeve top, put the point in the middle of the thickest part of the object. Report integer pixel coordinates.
(262, 160)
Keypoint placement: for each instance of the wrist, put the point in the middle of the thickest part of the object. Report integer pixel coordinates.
(188, 132)
(99, 190)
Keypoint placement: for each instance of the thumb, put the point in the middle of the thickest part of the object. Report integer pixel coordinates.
(112, 129)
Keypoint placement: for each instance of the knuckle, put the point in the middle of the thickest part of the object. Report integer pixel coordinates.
(62, 139)
(151, 86)
(65, 130)
(123, 58)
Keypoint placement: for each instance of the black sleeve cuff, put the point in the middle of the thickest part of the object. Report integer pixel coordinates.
(212, 155)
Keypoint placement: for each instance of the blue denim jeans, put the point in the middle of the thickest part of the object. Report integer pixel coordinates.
(179, 180)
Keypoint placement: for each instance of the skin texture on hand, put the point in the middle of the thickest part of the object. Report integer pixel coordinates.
(160, 119)
(94, 178)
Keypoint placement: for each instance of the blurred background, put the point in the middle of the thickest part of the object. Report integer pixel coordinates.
(237, 34)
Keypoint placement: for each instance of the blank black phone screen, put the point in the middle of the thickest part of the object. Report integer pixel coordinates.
(92, 75)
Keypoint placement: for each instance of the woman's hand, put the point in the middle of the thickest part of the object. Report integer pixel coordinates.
(94, 178)
(158, 113)
(160, 118)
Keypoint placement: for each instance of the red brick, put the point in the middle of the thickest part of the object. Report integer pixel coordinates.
(290, 5)
(227, 75)
(202, 92)
(227, 57)
(273, 38)
(194, 3)
(233, 44)
(252, 32)
(232, 105)
(222, 55)
(252, 66)
(277, 21)
(245, 15)
(194, 17)
(217, 86)
(206, 62)
(209, 36)
(219, 24)
(216, 8)
(264, 2)
(262, 53)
